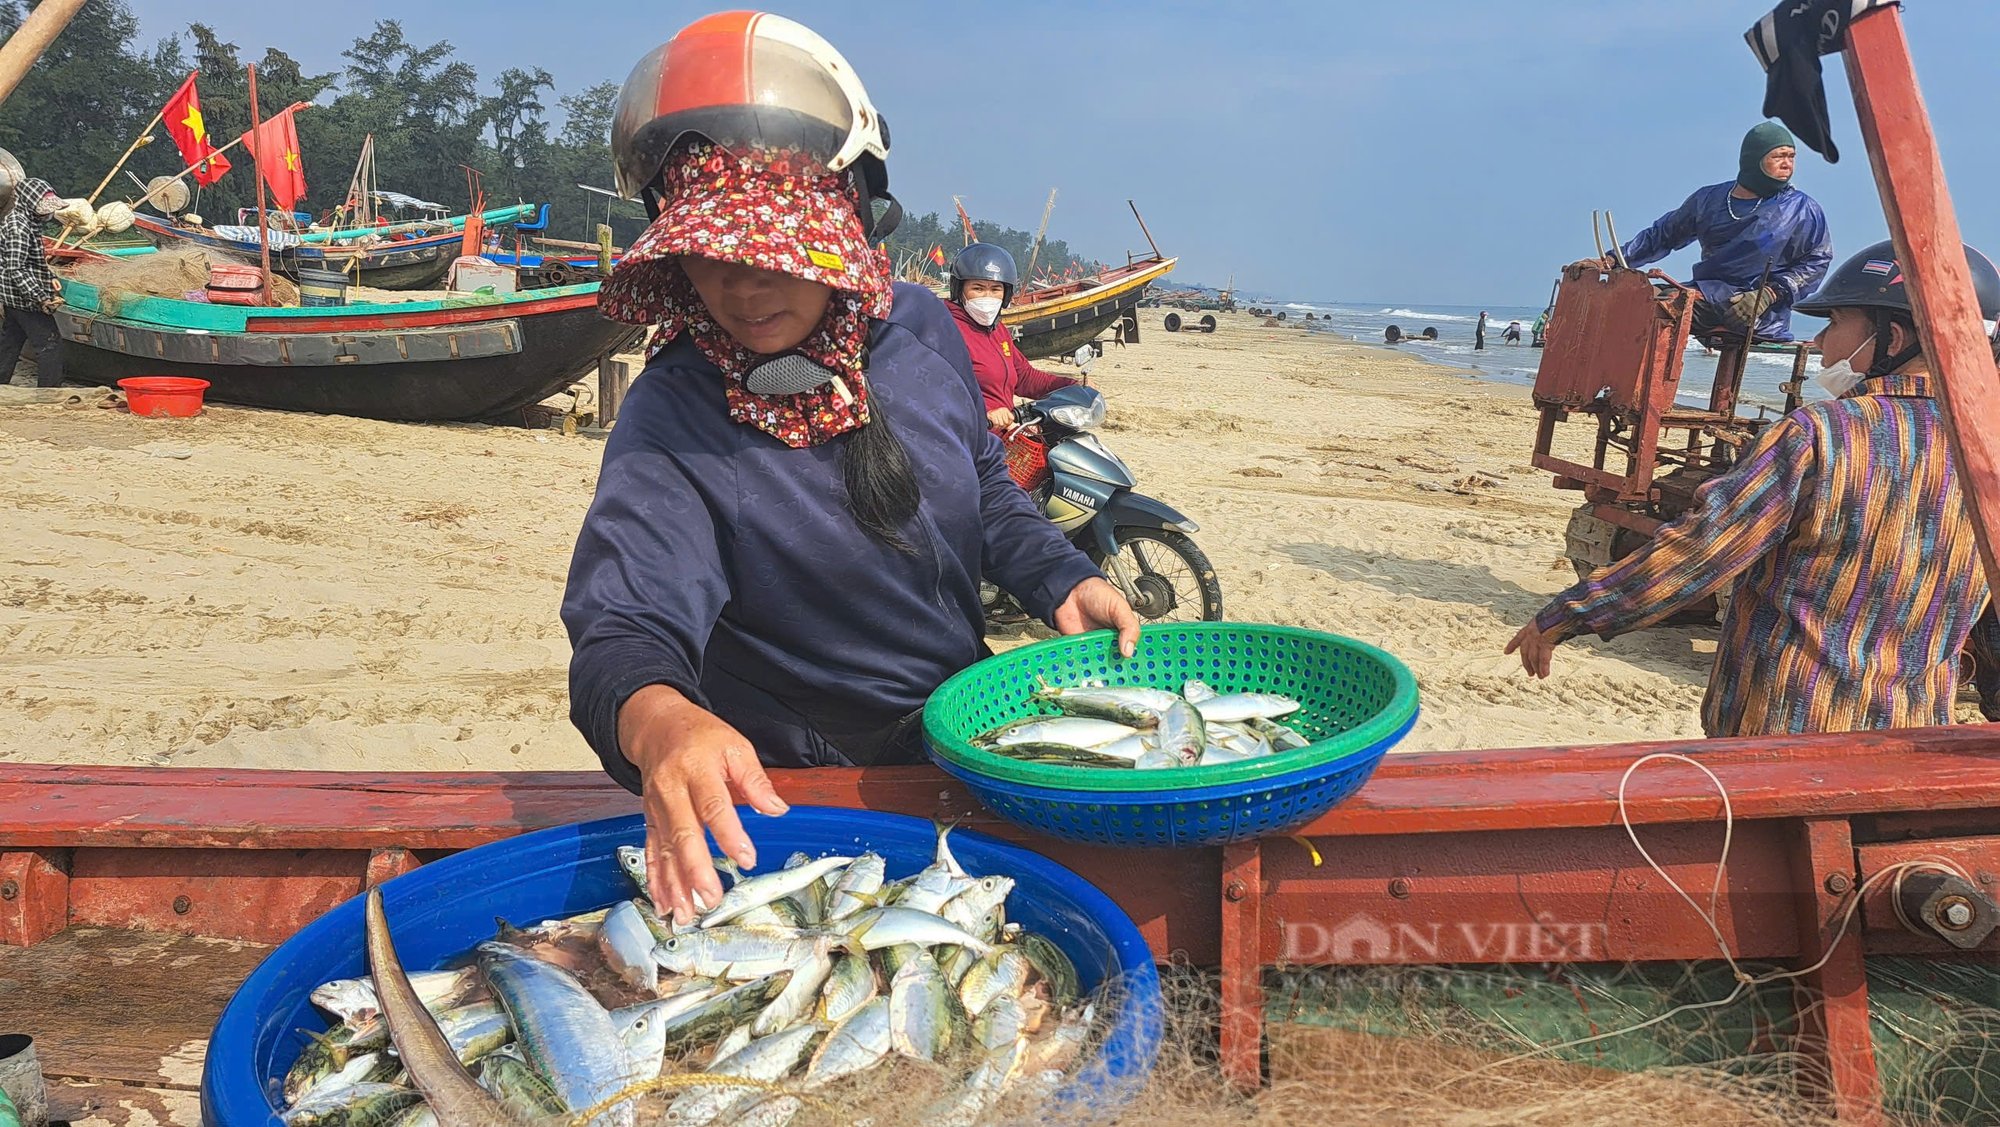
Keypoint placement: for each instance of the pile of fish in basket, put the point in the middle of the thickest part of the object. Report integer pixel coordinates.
(1138, 727)
(794, 987)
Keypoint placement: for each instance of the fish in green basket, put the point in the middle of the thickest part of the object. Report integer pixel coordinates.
(1238, 707)
(1130, 705)
(1075, 731)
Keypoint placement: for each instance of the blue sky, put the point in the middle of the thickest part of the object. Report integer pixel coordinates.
(1445, 151)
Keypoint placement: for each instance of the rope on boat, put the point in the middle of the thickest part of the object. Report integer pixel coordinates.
(1744, 979)
(694, 1080)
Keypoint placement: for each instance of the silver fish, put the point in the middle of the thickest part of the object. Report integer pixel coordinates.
(1130, 748)
(364, 1068)
(973, 909)
(741, 953)
(725, 1011)
(520, 1088)
(888, 927)
(1004, 973)
(632, 861)
(849, 986)
(795, 1003)
(943, 858)
(1052, 965)
(1139, 707)
(1073, 731)
(692, 993)
(474, 1031)
(435, 1071)
(983, 1087)
(563, 1031)
(755, 891)
(642, 1031)
(732, 1043)
(1281, 737)
(352, 999)
(928, 891)
(627, 945)
(857, 885)
(921, 1019)
(371, 1102)
(1183, 733)
(418, 1115)
(764, 1060)
(1049, 1058)
(1238, 707)
(1003, 1023)
(1194, 692)
(1157, 759)
(857, 1044)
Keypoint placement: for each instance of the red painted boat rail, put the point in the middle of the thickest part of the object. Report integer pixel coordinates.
(1487, 857)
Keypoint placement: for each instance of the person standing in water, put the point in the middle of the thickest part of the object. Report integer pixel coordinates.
(1764, 243)
(1479, 333)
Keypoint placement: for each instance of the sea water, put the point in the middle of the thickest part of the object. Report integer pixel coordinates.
(1363, 322)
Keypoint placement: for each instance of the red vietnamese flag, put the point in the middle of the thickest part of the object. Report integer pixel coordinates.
(937, 255)
(275, 144)
(190, 133)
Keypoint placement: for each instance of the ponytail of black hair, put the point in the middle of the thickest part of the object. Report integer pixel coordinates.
(882, 491)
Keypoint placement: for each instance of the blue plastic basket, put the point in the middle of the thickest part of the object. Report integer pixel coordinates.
(1188, 816)
(1356, 701)
(443, 909)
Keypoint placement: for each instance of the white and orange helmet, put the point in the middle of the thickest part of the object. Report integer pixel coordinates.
(751, 79)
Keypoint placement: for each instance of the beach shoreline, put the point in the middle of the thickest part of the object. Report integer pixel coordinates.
(258, 589)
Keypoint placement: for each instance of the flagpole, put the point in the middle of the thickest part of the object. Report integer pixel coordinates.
(257, 167)
(145, 136)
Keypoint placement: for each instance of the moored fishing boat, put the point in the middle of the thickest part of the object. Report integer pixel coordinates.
(460, 357)
(402, 257)
(1055, 320)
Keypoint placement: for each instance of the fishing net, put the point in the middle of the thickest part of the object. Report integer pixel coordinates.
(167, 273)
(1484, 1046)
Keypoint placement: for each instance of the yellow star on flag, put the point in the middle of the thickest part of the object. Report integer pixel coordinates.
(195, 124)
(291, 162)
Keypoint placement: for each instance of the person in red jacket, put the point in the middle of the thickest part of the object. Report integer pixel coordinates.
(983, 278)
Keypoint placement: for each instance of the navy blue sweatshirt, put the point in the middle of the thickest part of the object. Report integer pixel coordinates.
(719, 561)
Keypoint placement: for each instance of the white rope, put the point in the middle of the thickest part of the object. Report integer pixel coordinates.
(1744, 980)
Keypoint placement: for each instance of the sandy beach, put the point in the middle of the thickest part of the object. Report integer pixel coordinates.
(257, 589)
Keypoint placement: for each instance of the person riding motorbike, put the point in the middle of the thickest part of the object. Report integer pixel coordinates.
(983, 280)
(782, 560)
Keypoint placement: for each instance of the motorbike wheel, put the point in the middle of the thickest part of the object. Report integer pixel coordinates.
(1173, 580)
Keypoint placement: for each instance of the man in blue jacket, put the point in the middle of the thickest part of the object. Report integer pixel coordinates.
(1764, 243)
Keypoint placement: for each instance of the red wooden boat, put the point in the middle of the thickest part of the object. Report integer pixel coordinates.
(133, 900)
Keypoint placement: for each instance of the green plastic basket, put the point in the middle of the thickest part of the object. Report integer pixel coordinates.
(1354, 699)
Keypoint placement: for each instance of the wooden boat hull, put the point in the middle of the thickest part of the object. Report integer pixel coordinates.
(426, 362)
(1056, 322)
(414, 265)
(1443, 858)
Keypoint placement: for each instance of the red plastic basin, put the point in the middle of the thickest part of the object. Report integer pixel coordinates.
(178, 396)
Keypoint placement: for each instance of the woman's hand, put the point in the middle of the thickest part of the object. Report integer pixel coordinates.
(1536, 647)
(689, 761)
(1002, 417)
(1096, 605)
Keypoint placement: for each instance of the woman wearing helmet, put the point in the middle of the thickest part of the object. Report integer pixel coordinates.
(983, 279)
(1842, 537)
(784, 554)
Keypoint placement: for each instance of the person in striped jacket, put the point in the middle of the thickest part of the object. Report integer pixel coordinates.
(1842, 537)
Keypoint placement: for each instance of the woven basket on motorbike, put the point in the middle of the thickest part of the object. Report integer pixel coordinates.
(1355, 701)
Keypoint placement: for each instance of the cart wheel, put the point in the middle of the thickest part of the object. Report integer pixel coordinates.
(1208, 322)
(1173, 322)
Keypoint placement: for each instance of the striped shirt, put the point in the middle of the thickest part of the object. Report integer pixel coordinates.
(1850, 561)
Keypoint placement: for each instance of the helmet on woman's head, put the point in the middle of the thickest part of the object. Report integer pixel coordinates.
(751, 80)
(984, 262)
(1873, 280)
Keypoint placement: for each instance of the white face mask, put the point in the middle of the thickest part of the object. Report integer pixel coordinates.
(983, 309)
(1839, 377)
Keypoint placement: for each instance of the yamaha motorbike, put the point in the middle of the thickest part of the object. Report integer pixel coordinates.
(1141, 545)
